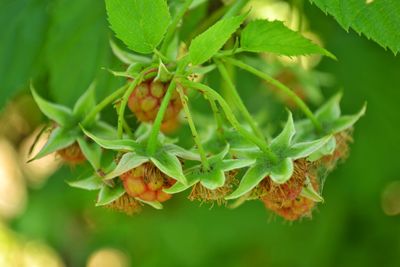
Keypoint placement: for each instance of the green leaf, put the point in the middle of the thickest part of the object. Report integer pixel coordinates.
(117, 144)
(378, 20)
(305, 149)
(326, 149)
(76, 46)
(169, 165)
(58, 139)
(57, 113)
(179, 187)
(140, 24)
(91, 151)
(155, 204)
(107, 194)
(281, 172)
(128, 162)
(275, 37)
(91, 183)
(85, 103)
(207, 44)
(251, 179)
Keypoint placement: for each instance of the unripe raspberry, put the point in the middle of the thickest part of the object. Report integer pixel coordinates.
(145, 102)
(126, 204)
(72, 154)
(147, 182)
(341, 151)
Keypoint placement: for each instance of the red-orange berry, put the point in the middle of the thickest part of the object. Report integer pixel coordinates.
(72, 154)
(147, 182)
(145, 102)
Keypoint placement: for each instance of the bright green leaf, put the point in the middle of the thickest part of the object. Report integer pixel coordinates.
(207, 44)
(127, 162)
(140, 24)
(275, 37)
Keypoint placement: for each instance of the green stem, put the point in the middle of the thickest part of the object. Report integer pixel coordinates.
(238, 100)
(172, 28)
(231, 118)
(218, 119)
(192, 126)
(299, 102)
(236, 7)
(124, 102)
(104, 103)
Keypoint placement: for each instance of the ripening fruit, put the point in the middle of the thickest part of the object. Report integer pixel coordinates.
(145, 102)
(341, 152)
(147, 182)
(285, 199)
(126, 204)
(72, 154)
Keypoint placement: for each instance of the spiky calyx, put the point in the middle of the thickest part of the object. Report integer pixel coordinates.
(205, 195)
(146, 182)
(285, 199)
(126, 204)
(341, 152)
(145, 102)
(72, 154)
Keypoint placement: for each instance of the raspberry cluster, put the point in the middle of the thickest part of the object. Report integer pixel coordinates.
(145, 102)
(146, 182)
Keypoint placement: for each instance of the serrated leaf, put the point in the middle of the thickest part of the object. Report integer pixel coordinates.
(181, 152)
(85, 103)
(127, 162)
(282, 171)
(378, 20)
(305, 149)
(169, 165)
(275, 37)
(117, 144)
(58, 139)
(140, 24)
(207, 44)
(60, 114)
(107, 194)
(91, 183)
(251, 179)
(91, 151)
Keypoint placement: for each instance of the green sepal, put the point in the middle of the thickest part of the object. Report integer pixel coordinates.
(91, 183)
(126, 57)
(325, 150)
(116, 144)
(155, 204)
(169, 165)
(127, 162)
(85, 104)
(58, 139)
(180, 152)
(109, 194)
(91, 151)
(282, 171)
(347, 121)
(163, 74)
(305, 149)
(179, 187)
(284, 139)
(253, 176)
(211, 179)
(60, 114)
(309, 192)
(330, 110)
(233, 164)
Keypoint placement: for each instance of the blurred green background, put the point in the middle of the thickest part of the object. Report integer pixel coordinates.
(62, 45)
